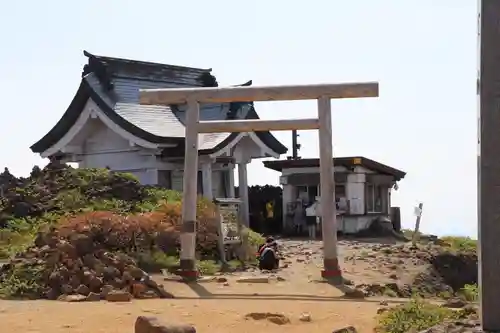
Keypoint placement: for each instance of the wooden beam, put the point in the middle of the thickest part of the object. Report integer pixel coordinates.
(216, 126)
(269, 93)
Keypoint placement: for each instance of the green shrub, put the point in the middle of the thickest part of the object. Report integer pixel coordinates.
(254, 239)
(13, 241)
(22, 282)
(155, 261)
(208, 267)
(470, 292)
(461, 244)
(156, 194)
(415, 315)
(389, 292)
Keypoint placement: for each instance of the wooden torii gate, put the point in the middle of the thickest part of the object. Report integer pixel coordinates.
(323, 93)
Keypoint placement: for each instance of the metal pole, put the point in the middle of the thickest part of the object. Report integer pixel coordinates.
(489, 164)
(295, 150)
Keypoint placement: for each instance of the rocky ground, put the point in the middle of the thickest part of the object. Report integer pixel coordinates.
(390, 269)
(76, 269)
(387, 271)
(387, 267)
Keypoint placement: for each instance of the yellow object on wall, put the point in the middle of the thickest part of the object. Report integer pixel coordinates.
(270, 210)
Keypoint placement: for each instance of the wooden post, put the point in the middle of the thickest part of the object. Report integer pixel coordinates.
(416, 233)
(328, 210)
(206, 171)
(489, 165)
(243, 191)
(190, 187)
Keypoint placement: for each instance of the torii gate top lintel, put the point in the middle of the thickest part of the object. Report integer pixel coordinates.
(256, 93)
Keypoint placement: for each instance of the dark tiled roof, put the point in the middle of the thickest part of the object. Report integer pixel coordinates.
(114, 85)
(341, 161)
(142, 70)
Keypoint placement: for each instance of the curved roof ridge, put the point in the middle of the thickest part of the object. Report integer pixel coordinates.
(144, 63)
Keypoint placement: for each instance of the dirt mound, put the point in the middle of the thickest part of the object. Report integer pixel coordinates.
(456, 269)
(432, 270)
(448, 272)
(61, 188)
(76, 268)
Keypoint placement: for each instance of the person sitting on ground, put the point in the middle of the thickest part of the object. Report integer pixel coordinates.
(269, 240)
(267, 255)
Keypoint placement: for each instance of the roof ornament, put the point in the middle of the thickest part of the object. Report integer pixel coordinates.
(234, 107)
(99, 68)
(208, 80)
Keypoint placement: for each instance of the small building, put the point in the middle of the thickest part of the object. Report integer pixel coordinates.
(362, 189)
(105, 126)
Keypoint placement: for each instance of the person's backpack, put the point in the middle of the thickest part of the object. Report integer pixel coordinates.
(261, 248)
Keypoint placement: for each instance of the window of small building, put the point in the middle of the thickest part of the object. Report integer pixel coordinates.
(374, 198)
(310, 193)
(340, 191)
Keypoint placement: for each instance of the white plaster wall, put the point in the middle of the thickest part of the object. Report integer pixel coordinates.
(103, 148)
(247, 149)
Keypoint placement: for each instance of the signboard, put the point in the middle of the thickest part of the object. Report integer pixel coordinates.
(417, 211)
(229, 224)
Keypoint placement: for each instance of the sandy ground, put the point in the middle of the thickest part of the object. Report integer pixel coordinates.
(217, 307)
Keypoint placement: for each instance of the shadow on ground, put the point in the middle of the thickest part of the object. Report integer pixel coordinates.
(204, 293)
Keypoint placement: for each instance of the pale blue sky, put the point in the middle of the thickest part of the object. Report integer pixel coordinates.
(422, 52)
